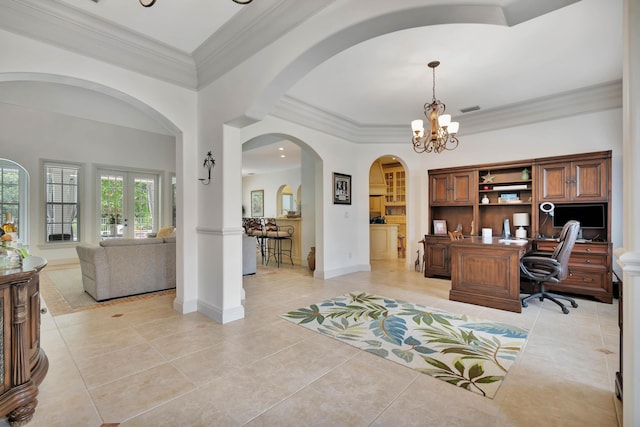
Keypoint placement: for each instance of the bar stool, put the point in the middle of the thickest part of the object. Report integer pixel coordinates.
(275, 247)
(255, 227)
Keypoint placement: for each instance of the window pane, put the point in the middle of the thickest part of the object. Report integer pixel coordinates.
(144, 206)
(62, 204)
(10, 195)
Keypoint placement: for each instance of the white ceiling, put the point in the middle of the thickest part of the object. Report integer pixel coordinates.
(385, 81)
(183, 24)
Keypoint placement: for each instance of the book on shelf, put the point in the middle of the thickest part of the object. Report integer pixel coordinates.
(510, 187)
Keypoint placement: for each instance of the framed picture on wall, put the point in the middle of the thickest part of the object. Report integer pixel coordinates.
(257, 203)
(439, 226)
(341, 189)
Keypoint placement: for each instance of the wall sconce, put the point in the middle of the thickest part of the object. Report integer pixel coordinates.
(209, 163)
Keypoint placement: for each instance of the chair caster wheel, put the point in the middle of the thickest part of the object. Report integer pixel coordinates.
(525, 304)
(574, 304)
(565, 310)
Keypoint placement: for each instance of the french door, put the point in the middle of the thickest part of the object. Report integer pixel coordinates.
(128, 203)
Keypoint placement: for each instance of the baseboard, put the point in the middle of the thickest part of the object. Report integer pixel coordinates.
(328, 274)
(63, 263)
(221, 316)
(185, 307)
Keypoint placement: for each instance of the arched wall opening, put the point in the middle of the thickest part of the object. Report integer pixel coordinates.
(306, 194)
(108, 98)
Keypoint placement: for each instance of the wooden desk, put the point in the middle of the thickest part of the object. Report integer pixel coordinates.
(487, 272)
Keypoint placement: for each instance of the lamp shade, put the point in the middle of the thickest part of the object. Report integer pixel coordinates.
(444, 120)
(521, 219)
(453, 127)
(416, 125)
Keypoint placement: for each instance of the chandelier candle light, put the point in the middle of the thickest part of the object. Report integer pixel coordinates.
(442, 135)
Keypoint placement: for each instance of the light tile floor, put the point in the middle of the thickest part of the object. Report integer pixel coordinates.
(142, 364)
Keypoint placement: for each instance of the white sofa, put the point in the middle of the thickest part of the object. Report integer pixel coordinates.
(125, 267)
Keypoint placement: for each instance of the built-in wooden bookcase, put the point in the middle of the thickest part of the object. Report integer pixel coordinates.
(483, 196)
(504, 190)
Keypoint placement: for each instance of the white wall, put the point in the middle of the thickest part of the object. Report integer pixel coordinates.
(30, 136)
(270, 183)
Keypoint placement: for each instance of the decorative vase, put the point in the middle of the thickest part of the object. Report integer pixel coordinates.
(311, 258)
(9, 258)
(525, 174)
(485, 200)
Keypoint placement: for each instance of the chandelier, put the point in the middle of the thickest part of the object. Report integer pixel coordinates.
(442, 131)
(149, 3)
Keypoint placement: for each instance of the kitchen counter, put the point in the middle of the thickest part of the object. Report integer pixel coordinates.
(383, 241)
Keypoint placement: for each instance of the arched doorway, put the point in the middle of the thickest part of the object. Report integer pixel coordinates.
(290, 194)
(387, 208)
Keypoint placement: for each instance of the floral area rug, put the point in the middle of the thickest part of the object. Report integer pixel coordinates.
(468, 352)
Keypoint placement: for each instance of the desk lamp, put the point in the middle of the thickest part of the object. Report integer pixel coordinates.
(521, 220)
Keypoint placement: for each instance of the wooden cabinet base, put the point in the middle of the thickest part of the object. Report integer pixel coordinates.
(24, 362)
(472, 297)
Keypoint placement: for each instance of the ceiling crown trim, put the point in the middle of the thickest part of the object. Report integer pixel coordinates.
(249, 31)
(581, 101)
(71, 29)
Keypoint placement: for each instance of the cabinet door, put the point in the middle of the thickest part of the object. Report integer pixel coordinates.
(579, 181)
(462, 188)
(553, 184)
(437, 259)
(452, 189)
(589, 180)
(375, 205)
(439, 189)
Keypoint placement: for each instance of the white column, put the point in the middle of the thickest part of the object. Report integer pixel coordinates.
(630, 260)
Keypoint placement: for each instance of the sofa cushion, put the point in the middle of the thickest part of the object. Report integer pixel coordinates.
(130, 242)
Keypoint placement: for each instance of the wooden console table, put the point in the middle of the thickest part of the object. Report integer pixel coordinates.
(23, 364)
(487, 272)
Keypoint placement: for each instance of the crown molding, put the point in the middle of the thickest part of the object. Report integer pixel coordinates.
(580, 101)
(585, 100)
(71, 29)
(249, 31)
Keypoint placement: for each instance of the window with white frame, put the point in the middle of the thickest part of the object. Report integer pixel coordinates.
(62, 204)
(14, 191)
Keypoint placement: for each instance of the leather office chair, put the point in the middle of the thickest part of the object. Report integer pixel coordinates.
(541, 268)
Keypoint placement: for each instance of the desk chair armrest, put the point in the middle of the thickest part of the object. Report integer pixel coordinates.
(547, 254)
(539, 268)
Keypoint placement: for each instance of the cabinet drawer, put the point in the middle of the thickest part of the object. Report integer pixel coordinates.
(597, 260)
(585, 248)
(585, 278)
(396, 219)
(591, 248)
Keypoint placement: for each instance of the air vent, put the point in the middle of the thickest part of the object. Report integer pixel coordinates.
(470, 109)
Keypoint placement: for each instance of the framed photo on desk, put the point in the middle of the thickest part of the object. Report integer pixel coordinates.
(439, 226)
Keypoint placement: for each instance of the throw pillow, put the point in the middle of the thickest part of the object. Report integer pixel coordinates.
(165, 231)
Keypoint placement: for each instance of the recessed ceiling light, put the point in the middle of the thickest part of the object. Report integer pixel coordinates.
(281, 148)
(283, 156)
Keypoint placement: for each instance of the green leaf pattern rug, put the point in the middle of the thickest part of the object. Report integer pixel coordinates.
(468, 352)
